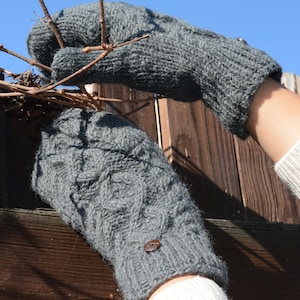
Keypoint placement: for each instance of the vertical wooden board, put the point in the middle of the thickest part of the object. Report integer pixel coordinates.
(3, 161)
(21, 149)
(297, 85)
(289, 81)
(264, 196)
(202, 152)
(136, 109)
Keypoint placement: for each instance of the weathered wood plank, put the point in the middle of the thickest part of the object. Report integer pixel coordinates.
(3, 161)
(291, 82)
(20, 150)
(43, 258)
(264, 196)
(139, 112)
(263, 258)
(203, 154)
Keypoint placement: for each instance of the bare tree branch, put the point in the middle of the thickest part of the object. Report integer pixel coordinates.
(52, 25)
(102, 24)
(32, 62)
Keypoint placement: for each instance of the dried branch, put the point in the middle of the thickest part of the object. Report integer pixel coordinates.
(9, 73)
(32, 62)
(96, 104)
(52, 25)
(72, 76)
(30, 98)
(97, 48)
(102, 24)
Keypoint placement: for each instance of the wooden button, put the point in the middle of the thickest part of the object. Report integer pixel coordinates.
(152, 245)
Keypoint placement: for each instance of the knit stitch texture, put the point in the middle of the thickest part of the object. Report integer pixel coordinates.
(111, 183)
(178, 60)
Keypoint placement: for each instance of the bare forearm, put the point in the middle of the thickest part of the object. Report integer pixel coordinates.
(274, 120)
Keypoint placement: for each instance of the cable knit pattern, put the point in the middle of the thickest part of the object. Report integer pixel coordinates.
(178, 60)
(110, 182)
(288, 169)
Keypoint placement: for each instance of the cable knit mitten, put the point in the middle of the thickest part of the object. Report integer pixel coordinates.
(178, 60)
(111, 183)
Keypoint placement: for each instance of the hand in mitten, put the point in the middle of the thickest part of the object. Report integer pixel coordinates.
(110, 182)
(178, 60)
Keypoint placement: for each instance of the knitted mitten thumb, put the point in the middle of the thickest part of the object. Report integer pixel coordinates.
(111, 183)
(178, 60)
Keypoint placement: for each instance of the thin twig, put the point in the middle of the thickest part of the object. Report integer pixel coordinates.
(132, 41)
(90, 97)
(32, 62)
(76, 96)
(102, 23)
(52, 25)
(7, 72)
(68, 78)
(98, 48)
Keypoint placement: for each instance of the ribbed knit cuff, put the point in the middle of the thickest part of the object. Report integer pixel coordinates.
(140, 272)
(288, 169)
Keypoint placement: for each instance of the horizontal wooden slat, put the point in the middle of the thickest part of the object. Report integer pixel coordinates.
(42, 258)
(263, 258)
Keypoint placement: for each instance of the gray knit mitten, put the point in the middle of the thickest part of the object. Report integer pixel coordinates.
(178, 60)
(111, 183)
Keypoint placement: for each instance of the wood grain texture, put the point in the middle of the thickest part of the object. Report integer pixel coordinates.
(43, 258)
(3, 161)
(263, 258)
(229, 178)
(18, 148)
(291, 82)
(138, 111)
(202, 153)
(265, 198)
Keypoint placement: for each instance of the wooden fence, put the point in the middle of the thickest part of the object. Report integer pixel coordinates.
(253, 218)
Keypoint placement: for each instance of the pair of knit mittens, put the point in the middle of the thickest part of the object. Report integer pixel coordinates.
(103, 175)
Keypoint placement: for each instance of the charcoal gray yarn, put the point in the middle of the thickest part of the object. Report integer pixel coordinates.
(178, 60)
(110, 182)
